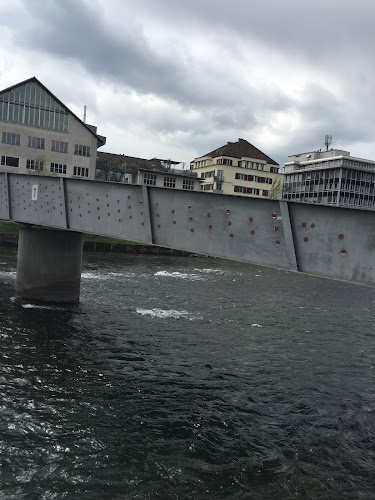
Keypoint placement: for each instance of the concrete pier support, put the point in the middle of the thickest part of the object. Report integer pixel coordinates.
(48, 266)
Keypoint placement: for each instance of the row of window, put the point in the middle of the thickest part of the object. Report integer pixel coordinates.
(225, 161)
(254, 178)
(251, 164)
(238, 189)
(35, 164)
(169, 182)
(243, 177)
(241, 163)
(34, 116)
(30, 104)
(247, 190)
(39, 143)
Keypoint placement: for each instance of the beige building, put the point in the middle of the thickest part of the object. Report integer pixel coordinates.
(40, 134)
(239, 168)
(155, 172)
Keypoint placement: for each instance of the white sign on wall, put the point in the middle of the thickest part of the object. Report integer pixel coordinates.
(34, 192)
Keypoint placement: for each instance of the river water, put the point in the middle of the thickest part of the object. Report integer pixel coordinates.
(188, 378)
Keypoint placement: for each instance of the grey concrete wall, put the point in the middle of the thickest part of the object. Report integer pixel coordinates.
(330, 241)
(333, 241)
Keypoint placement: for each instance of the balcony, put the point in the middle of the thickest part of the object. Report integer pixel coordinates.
(219, 178)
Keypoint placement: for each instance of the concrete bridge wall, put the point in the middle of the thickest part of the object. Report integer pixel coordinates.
(328, 241)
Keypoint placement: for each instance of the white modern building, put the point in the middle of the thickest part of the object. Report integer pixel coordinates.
(330, 177)
(40, 134)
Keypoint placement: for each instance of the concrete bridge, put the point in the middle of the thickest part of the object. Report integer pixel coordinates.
(328, 241)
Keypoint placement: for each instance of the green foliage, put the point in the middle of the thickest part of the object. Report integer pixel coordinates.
(276, 191)
(8, 227)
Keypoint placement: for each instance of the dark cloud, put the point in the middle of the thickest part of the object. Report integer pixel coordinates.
(224, 70)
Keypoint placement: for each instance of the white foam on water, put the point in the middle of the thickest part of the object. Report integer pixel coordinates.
(166, 313)
(176, 274)
(211, 271)
(11, 274)
(39, 306)
(101, 276)
(257, 325)
(93, 276)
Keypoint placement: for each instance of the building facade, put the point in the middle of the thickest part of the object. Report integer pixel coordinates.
(40, 135)
(155, 172)
(330, 178)
(239, 168)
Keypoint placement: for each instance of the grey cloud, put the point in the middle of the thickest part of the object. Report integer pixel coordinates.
(322, 30)
(124, 57)
(333, 38)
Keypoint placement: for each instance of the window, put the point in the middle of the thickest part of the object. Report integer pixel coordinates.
(188, 184)
(30, 104)
(13, 139)
(81, 150)
(207, 187)
(35, 142)
(149, 179)
(60, 147)
(220, 175)
(169, 182)
(275, 170)
(205, 175)
(58, 168)
(10, 161)
(224, 161)
(81, 171)
(34, 164)
(265, 192)
(241, 177)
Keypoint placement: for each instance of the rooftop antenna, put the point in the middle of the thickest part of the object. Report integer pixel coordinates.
(328, 141)
(84, 114)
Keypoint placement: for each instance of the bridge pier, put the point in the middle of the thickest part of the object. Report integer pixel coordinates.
(48, 266)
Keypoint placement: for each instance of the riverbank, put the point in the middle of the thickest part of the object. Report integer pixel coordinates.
(94, 243)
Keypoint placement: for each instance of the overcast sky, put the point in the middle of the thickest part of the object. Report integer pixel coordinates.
(179, 78)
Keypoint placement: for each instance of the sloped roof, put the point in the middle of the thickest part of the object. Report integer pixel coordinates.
(116, 159)
(118, 162)
(101, 139)
(241, 149)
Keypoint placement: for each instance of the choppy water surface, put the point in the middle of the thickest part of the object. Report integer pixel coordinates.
(188, 378)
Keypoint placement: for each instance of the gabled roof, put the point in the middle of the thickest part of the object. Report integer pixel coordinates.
(101, 139)
(241, 149)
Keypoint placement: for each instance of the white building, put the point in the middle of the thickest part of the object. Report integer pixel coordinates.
(330, 177)
(40, 134)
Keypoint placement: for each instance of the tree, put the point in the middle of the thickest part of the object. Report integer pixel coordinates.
(276, 190)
